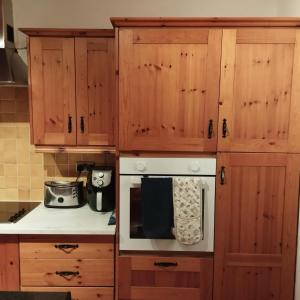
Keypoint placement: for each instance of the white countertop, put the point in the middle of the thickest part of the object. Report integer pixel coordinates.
(79, 221)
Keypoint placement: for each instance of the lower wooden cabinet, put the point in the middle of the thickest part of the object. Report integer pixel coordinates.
(83, 265)
(256, 226)
(9, 263)
(165, 278)
(78, 293)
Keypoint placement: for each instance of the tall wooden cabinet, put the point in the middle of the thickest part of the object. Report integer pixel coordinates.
(169, 88)
(177, 78)
(256, 226)
(72, 87)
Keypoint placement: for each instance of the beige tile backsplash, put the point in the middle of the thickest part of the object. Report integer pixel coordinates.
(22, 170)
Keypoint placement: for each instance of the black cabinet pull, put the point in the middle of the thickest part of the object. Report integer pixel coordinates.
(210, 129)
(70, 124)
(67, 248)
(165, 264)
(68, 275)
(222, 175)
(224, 129)
(82, 124)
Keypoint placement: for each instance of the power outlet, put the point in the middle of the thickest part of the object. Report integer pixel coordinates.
(84, 166)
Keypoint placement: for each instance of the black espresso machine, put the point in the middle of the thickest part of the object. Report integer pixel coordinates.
(100, 188)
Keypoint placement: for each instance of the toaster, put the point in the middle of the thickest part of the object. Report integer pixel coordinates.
(63, 194)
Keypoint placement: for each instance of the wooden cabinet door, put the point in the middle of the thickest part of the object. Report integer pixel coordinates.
(52, 76)
(256, 223)
(9, 263)
(169, 88)
(165, 278)
(260, 90)
(95, 90)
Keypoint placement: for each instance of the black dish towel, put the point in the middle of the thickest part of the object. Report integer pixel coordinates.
(157, 207)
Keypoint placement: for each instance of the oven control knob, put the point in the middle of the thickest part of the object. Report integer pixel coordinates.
(195, 167)
(140, 166)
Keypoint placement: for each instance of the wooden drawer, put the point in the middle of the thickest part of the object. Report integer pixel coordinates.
(86, 272)
(66, 247)
(78, 293)
(165, 278)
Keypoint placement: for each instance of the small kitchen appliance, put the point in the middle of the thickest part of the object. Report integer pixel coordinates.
(101, 188)
(63, 194)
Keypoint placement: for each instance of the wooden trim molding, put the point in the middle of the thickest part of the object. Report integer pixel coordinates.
(75, 149)
(205, 22)
(71, 32)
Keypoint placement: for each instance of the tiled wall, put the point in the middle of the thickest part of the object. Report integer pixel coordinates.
(22, 171)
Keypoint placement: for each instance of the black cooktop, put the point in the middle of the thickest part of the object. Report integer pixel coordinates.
(12, 212)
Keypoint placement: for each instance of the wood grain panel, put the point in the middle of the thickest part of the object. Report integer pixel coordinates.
(78, 293)
(42, 272)
(138, 275)
(256, 226)
(52, 72)
(53, 250)
(265, 36)
(168, 93)
(256, 90)
(95, 90)
(150, 293)
(170, 36)
(9, 263)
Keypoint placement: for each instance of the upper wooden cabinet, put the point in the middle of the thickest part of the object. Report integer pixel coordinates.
(260, 90)
(169, 88)
(72, 87)
(256, 226)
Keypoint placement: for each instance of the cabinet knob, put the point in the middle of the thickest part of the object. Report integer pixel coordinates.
(70, 124)
(82, 124)
(210, 129)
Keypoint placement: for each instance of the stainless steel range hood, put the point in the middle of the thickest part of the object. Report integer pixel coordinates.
(13, 70)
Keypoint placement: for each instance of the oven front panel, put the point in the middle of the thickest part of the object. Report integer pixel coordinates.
(131, 235)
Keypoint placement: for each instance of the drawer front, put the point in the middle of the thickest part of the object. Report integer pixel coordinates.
(156, 278)
(69, 272)
(66, 248)
(80, 293)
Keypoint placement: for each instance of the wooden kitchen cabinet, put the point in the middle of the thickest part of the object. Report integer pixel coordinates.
(143, 277)
(169, 88)
(83, 265)
(259, 90)
(9, 263)
(72, 87)
(256, 226)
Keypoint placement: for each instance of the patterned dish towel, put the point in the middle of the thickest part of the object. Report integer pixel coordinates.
(187, 210)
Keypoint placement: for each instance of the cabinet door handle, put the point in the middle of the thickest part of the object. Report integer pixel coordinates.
(82, 124)
(224, 128)
(165, 264)
(68, 275)
(67, 248)
(70, 124)
(210, 129)
(222, 175)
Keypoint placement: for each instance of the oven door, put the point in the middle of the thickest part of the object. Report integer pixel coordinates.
(131, 233)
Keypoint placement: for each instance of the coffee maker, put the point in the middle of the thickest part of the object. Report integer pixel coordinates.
(100, 188)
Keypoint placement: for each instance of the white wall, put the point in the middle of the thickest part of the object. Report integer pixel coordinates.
(288, 8)
(96, 13)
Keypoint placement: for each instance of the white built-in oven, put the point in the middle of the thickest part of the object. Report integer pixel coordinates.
(133, 169)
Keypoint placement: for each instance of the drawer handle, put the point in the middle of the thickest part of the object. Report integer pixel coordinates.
(68, 275)
(67, 248)
(165, 264)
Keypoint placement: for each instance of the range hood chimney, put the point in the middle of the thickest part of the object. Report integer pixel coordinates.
(13, 70)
